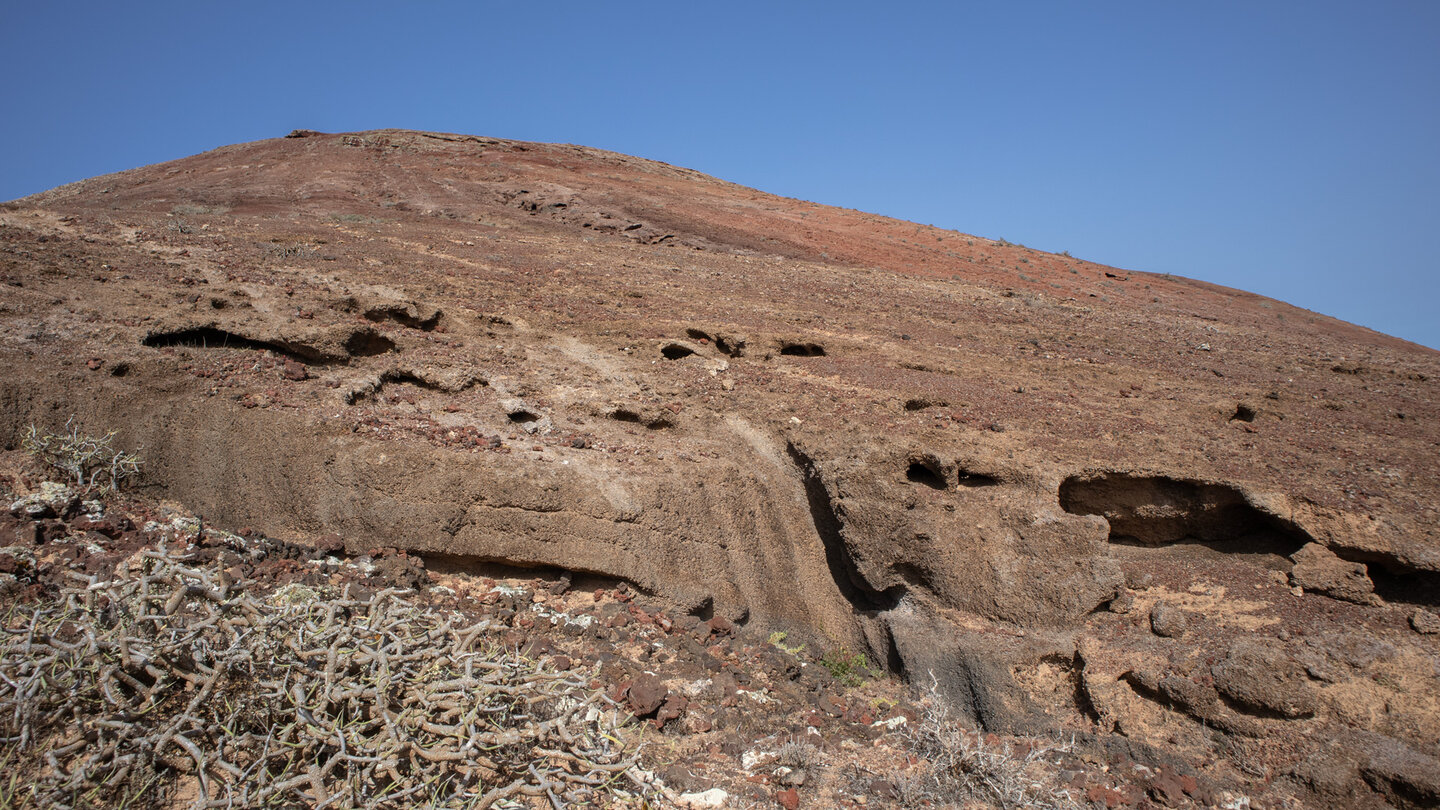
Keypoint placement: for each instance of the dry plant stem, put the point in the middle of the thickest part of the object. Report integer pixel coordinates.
(170, 668)
(91, 462)
(961, 765)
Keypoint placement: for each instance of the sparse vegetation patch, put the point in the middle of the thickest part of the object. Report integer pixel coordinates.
(169, 680)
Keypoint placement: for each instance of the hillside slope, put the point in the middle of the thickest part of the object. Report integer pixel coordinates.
(962, 456)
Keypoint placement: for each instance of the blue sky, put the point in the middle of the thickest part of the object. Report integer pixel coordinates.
(1289, 148)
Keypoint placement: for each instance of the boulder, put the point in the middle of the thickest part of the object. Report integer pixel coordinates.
(1425, 622)
(1167, 620)
(1317, 569)
(647, 694)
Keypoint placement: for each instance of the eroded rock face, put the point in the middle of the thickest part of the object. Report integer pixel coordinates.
(1263, 678)
(946, 452)
(1425, 622)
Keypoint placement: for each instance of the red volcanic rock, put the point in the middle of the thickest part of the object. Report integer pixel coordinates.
(646, 695)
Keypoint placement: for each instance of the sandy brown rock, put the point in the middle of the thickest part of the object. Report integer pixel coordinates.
(1425, 622)
(1263, 678)
(1168, 621)
(1318, 569)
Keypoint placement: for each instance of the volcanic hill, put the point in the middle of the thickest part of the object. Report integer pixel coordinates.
(1079, 497)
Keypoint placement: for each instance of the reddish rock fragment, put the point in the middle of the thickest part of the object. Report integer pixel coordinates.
(104, 527)
(673, 707)
(647, 694)
(1099, 793)
(720, 626)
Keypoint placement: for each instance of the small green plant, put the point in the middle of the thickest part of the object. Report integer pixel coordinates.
(93, 464)
(777, 640)
(850, 669)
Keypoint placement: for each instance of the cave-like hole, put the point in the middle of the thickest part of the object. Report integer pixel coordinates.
(697, 334)
(204, 337)
(1159, 510)
(636, 418)
(533, 576)
(675, 351)
(521, 417)
(401, 315)
(921, 403)
(210, 337)
(974, 479)
(732, 346)
(364, 343)
(1395, 582)
(705, 611)
(802, 349)
(924, 471)
(1243, 413)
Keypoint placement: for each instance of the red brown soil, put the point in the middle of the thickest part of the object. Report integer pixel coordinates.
(866, 433)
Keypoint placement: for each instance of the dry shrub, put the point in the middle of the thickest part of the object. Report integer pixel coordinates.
(91, 463)
(171, 679)
(962, 766)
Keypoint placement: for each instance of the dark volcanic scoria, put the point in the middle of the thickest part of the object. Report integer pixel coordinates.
(1155, 512)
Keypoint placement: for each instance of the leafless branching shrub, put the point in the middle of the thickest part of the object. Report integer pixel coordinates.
(962, 766)
(170, 676)
(795, 754)
(93, 464)
(289, 251)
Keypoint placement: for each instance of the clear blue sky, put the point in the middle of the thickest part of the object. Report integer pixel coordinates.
(1289, 148)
